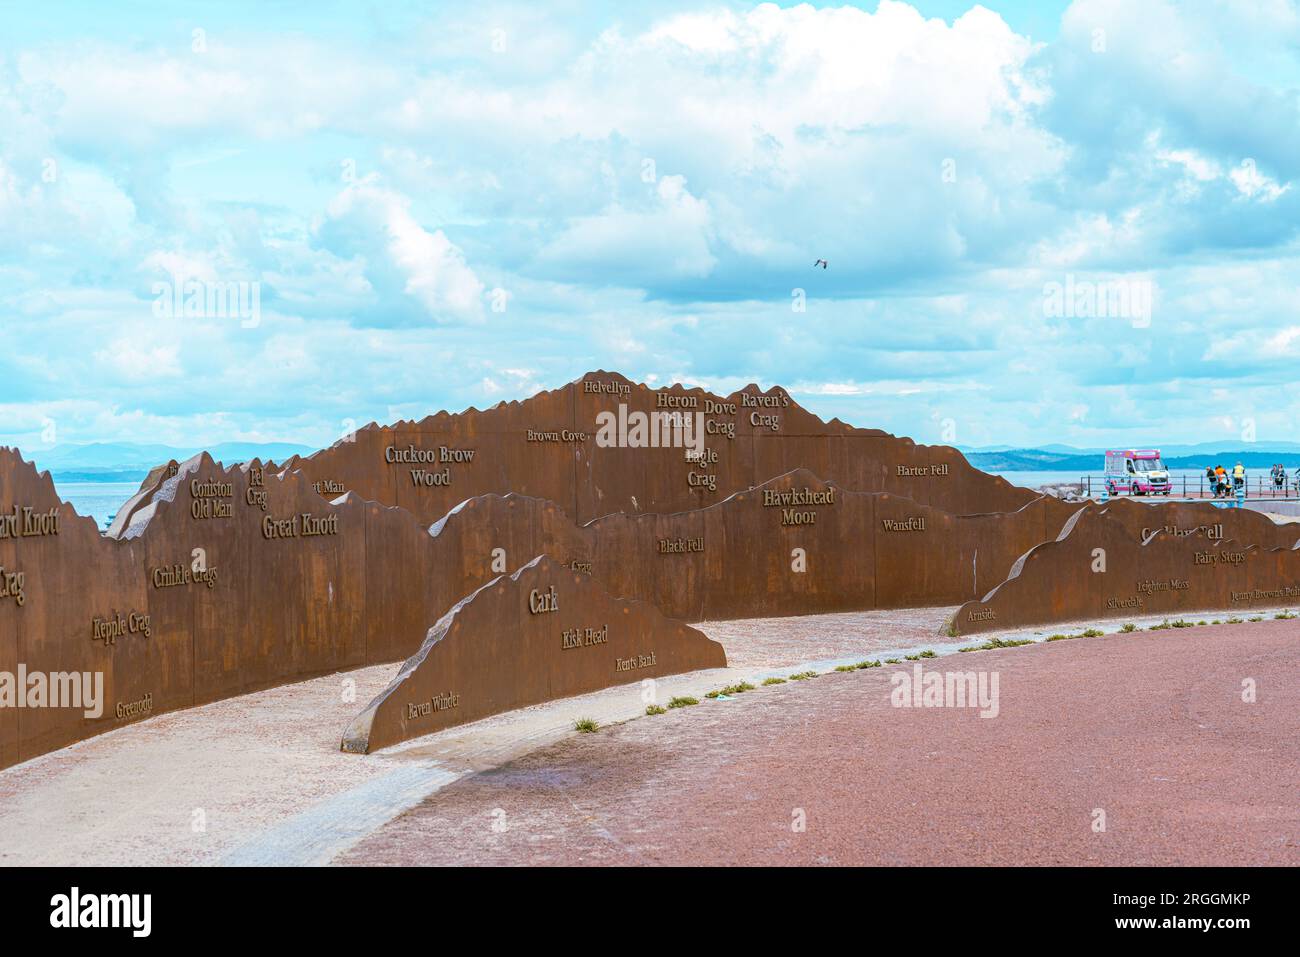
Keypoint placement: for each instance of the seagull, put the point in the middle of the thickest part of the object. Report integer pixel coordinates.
(820, 262)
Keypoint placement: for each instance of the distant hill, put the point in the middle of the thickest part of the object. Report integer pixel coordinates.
(131, 462)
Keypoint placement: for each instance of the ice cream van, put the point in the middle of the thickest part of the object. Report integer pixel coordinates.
(1136, 471)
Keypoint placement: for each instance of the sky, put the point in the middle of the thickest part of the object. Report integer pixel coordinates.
(1044, 222)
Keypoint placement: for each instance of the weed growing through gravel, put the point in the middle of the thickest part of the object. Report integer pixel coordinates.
(893, 661)
(803, 676)
(999, 643)
(1129, 627)
(655, 709)
(867, 664)
(773, 681)
(1283, 615)
(740, 688)
(586, 725)
(684, 701)
(846, 667)
(1092, 633)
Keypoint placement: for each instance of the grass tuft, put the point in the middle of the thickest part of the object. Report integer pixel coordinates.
(586, 725)
(655, 709)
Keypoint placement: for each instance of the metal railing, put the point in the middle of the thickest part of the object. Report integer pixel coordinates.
(1259, 485)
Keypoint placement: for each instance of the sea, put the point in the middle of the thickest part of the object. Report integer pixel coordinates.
(99, 500)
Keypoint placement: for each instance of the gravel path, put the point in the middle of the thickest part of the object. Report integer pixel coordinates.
(1149, 728)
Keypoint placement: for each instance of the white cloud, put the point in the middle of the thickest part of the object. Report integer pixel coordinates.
(376, 224)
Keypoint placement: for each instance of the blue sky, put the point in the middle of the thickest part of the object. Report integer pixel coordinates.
(448, 205)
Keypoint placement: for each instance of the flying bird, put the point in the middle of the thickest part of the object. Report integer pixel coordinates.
(820, 262)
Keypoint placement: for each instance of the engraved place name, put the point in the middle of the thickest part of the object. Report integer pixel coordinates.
(13, 586)
(543, 602)
(584, 637)
(789, 501)
(1213, 532)
(777, 400)
(256, 496)
(439, 702)
(923, 470)
(634, 663)
(702, 458)
(680, 546)
(116, 626)
(914, 524)
(441, 455)
(328, 487)
(1133, 601)
(596, 387)
(564, 435)
(304, 525)
(427, 479)
(706, 481)
(26, 522)
(1260, 594)
(667, 400)
(180, 576)
(764, 420)
(1151, 586)
(208, 499)
(136, 709)
(579, 566)
(985, 614)
(1221, 557)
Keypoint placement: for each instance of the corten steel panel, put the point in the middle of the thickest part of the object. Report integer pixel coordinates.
(546, 446)
(262, 610)
(759, 552)
(1096, 570)
(72, 577)
(1182, 518)
(542, 633)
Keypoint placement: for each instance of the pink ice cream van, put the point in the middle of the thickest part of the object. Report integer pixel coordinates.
(1136, 471)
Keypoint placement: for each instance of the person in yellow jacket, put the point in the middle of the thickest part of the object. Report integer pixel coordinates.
(1238, 476)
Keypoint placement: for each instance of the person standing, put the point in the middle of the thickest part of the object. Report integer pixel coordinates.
(1239, 478)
